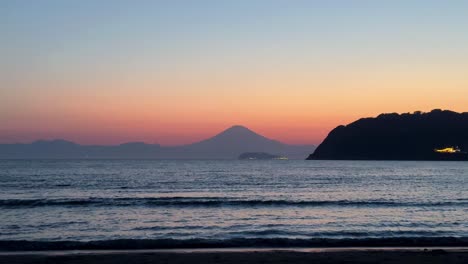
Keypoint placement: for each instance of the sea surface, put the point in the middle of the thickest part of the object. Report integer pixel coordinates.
(230, 203)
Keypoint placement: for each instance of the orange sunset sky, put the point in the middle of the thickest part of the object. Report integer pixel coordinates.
(174, 73)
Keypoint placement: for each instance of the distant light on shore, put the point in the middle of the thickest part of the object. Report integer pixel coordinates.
(448, 150)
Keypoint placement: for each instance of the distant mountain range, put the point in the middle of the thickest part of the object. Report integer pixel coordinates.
(437, 135)
(228, 144)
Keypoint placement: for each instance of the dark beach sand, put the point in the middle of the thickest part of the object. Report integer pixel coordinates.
(343, 255)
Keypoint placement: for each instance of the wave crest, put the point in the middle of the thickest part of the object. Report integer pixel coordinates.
(211, 202)
(22, 245)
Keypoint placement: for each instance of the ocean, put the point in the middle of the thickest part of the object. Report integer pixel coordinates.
(50, 204)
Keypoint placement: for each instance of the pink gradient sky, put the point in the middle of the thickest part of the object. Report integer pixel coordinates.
(176, 73)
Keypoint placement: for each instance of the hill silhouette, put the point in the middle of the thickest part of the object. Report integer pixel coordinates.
(228, 144)
(399, 137)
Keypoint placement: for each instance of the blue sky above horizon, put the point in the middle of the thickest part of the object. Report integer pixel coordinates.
(177, 71)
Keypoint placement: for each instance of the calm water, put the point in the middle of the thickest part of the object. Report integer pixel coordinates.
(83, 200)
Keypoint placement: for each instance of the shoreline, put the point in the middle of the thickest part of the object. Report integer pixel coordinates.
(187, 244)
(234, 250)
(388, 255)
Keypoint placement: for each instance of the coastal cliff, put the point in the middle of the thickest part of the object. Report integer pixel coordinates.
(437, 135)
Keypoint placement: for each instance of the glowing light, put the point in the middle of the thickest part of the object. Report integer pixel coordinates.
(448, 150)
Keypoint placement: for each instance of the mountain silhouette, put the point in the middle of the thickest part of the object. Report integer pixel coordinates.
(238, 134)
(235, 139)
(228, 144)
(232, 142)
(415, 136)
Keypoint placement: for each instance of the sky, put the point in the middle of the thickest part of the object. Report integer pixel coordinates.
(175, 72)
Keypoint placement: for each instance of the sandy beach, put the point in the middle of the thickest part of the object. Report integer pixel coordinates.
(335, 255)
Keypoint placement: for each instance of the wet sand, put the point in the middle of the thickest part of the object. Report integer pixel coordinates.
(335, 255)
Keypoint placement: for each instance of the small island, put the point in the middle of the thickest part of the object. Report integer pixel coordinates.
(260, 156)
